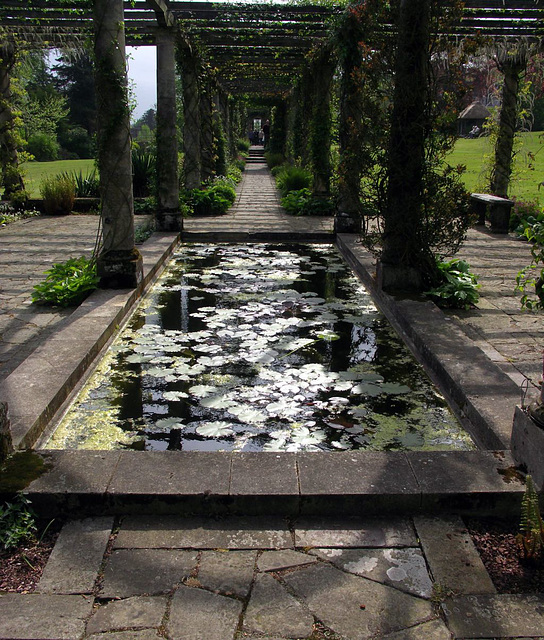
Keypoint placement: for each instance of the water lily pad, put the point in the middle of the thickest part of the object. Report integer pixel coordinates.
(174, 396)
(166, 424)
(202, 390)
(215, 429)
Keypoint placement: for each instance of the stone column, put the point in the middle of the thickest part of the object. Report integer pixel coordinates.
(403, 255)
(168, 216)
(119, 263)
(206, 132)
(11, 178)
(320, 128)
(512, 65)
(192, 163)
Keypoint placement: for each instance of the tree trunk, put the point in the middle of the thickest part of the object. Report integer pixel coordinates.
(403, 256)
(119, 263)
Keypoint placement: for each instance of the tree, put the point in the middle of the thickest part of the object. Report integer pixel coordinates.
(74, 80)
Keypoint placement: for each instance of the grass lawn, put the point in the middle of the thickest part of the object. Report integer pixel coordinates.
(475, 155)
(36, 171)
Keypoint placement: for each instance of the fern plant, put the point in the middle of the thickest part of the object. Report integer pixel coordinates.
(531, 535)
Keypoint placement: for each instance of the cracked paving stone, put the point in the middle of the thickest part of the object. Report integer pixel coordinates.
(356, 607)
(230, 572)
(196, 614)
(131, 572)
(403, 569)
(142, 611)
(272, 610)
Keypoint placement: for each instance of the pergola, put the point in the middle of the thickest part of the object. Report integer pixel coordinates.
(222, 51)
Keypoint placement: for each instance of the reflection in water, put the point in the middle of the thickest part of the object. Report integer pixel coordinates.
(259, 347)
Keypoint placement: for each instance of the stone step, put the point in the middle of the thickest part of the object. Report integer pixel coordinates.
(286, 484)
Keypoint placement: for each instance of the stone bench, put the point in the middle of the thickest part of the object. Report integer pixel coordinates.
(499, 210)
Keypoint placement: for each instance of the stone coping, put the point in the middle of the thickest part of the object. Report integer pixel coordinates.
(124, 481)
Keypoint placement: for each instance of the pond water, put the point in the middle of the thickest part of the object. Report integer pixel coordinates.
(259, 348)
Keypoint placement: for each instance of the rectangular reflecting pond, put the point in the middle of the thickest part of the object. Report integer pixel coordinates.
(259, 347)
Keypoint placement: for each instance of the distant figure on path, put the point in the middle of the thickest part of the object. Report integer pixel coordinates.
(266, 132)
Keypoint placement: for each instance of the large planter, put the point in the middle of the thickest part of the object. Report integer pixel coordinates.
(527, 443)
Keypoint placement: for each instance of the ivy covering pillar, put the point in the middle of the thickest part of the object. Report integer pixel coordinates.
(512, 64)
(403, 258)
(207, 150)
(169, 216)
(11, 179)
(192, 162)
(320, 127)
(119, 263)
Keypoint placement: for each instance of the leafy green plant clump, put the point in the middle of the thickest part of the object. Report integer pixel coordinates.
(17, 522)
(274, 160)
(459, 288)
(302, 203)
(532, 276)
(67, 283)
(531, 535)
(213, 200)
(86, 185)
(525, 213)
(59, 194)
(292, 178)
(9, 214)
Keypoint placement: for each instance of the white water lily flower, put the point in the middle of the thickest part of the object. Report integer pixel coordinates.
(215, 429)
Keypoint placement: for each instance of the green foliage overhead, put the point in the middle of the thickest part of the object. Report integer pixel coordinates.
(67, 283)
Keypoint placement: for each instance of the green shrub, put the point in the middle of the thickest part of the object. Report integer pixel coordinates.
(17, 522)
(524, 214)
(76, 141)
(86, 186)
(302, 203)
(9, 213)
(532, 276)
(292, 178)
(459, 287)
(143, 173)
(58, 193)
(43, 147)
(234, 173)
(274, 159)
(212, 200)
(67, 283)
(243, 145)
(145, 206)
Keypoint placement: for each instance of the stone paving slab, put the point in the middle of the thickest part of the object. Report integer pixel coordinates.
(356, 607)
(272, 609)
(132, 572)
(201, 533)
(144, 634)
(196, 614)
(227, 572)
(500, 616)
(284, 559)
(404, 569)
(43, 617)
(461, 569)
(433, 630)
(131, 613)
(354, 532)
(77, 556)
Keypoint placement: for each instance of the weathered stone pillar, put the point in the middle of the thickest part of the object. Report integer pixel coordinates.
(11, 178)
(320, 127)
(168, 216)
(207, 150)
(6, 445)
(348, 218)
(512, 65)
(119, 263)
(192, 163)
(402, 258)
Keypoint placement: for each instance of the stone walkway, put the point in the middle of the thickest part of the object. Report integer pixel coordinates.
(140, 577)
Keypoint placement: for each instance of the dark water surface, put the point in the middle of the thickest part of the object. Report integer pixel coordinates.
(259, 348)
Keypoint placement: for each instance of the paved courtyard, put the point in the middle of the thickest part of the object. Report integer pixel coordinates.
(347, 576)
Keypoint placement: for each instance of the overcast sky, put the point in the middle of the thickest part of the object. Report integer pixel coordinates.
(142, 71)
